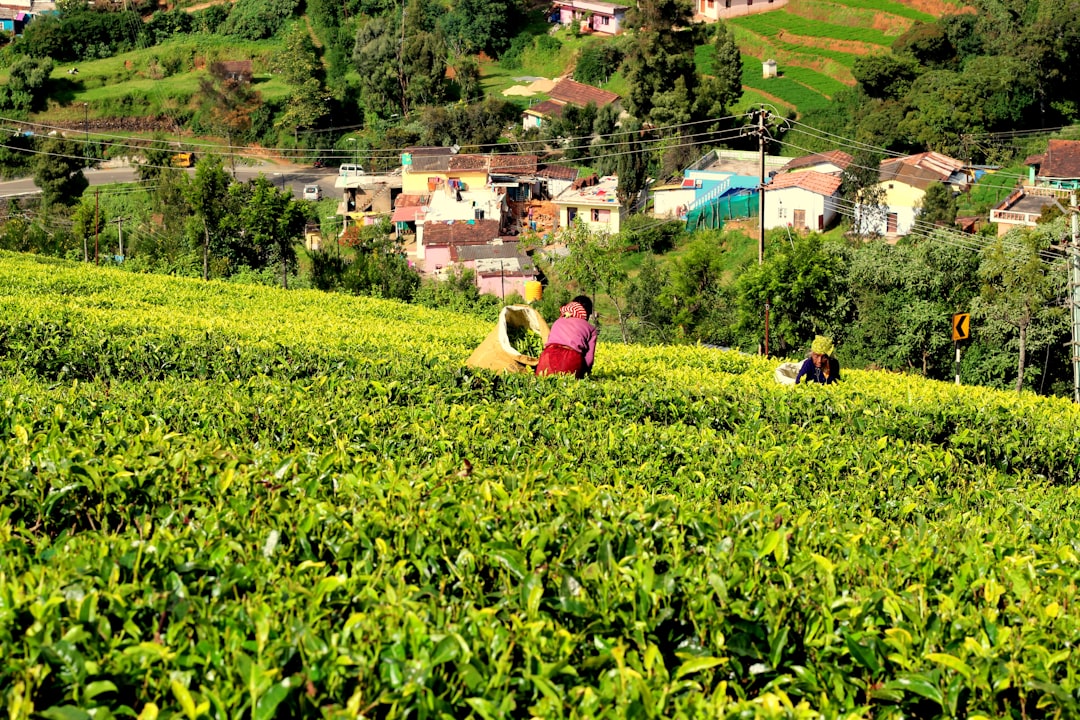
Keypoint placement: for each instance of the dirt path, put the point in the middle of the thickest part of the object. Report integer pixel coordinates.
(937, 7)
(770, 97)
(204, 5)
(851, 47)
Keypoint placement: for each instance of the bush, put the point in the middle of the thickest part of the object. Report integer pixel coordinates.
(258, 19)
(598, 63)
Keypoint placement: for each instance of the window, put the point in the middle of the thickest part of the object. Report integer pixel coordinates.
(600, 216)
(605, 20)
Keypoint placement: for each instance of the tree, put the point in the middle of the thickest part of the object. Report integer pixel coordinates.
(376, 58)
(938, 206)
(207, 193)
(904, 296)
(595, 264)
(722, 88)
(87, 222)
(885, 76)
(299, 63)
(271, 220)
(228, 103)
(27, 87)
(58, 172)
(648, 304)
(699, 302)
(860, 189)
(1019, 286)
(806, 288)
(632, 164)
(258, 19)
(475, 25)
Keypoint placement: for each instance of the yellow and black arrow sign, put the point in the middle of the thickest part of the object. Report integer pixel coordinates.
(961, 326)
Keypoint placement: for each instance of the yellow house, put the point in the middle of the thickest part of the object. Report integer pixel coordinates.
(426, 174)
(425, 171)
(594, 202)
(903, 182)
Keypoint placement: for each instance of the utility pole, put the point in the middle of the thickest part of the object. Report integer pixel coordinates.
(86, 131)
(120, 232)
(1074, 287)
(96, 206)
(761, 187)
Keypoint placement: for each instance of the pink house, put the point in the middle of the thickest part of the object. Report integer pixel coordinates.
(501, 268)
(589, 15)
(435, 239)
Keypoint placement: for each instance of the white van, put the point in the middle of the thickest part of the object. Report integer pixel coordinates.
(350, 170)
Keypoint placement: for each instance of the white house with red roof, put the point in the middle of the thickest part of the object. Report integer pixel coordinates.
(805, 200)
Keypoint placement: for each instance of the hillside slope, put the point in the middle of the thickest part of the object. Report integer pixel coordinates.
(222, 500)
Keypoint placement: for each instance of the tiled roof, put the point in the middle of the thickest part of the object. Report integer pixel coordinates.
(420, 150)
(513, 259)
(839, 158)
(571, 92)
(404, 200)
(460, 232)
(547, 108)
(506, 164)
(921, 171)
(468, 162)
(513, 164)
(815, 182)
(1062, 160)
(557, 172)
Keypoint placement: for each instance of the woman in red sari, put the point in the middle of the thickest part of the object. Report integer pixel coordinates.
(571, 345)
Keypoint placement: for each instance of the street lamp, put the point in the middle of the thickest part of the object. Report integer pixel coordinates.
(353, 141)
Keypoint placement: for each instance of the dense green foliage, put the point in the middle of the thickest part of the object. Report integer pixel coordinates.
(325, 514)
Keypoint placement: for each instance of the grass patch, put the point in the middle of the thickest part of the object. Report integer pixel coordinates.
(157, 79)
(772, 24)
(822, 83)
(990, 190)
(890, 7)
(784, 88)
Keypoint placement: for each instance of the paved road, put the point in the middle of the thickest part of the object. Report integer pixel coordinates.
(291, 176)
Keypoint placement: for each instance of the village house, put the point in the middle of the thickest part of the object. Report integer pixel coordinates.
(13, 20)
(802, 200)
(832, 162)
(713, 10)
(502, 268)
(1058, 167)
(365, 199)
(594, 202)
(435, 240)
(565, 92)
(236, 70)
(590, 16)
(720, 185)
(903, 182)
(1052, 178)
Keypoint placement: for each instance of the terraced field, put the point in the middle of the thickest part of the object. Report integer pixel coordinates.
(815, 43)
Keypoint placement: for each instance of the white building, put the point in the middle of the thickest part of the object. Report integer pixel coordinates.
(802, 201)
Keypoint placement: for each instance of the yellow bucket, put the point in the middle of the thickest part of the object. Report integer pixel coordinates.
(533, 291)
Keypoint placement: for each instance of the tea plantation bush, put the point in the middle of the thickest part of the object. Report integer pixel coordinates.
(228, 501)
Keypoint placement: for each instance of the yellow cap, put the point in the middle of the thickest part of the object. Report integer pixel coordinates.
(822, 346)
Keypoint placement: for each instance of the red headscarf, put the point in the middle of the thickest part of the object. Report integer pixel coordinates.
(574, 310)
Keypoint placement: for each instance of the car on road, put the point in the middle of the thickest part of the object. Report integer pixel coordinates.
(312, 192)
(350, 170)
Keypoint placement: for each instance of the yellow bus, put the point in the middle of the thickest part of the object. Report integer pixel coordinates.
(183, 160)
